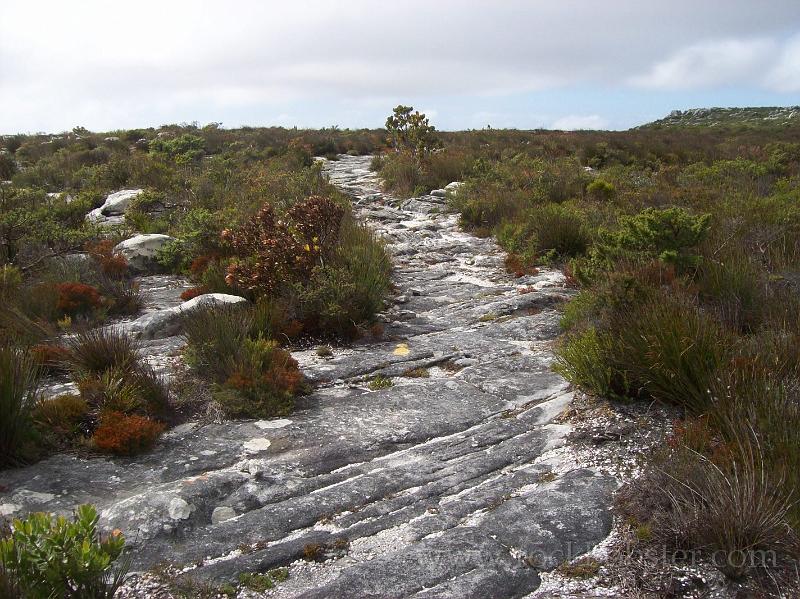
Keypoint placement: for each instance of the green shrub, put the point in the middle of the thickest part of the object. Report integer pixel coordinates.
(380, 382)
(671, 235)
(105, 364)
(557, 231)
(664, 348)
(586, 359)
(48, 556)
(215, 336)
(263, 381)
(60, 419)
(736, 290)
(255, 378)
(402, 174)
(601, 189)
(19, 381)
(672, 351)
(99, 350)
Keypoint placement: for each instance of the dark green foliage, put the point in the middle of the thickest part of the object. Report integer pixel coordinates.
(215, 337)
(19, 379)
(48, 556)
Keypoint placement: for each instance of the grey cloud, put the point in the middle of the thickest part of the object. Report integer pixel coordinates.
(153, 55)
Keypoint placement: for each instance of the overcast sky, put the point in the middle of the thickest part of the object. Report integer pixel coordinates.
(467, 63)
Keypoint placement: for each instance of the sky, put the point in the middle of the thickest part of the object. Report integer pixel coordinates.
(564, 64)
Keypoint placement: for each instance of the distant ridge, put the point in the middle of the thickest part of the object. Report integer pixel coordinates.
(757, 117)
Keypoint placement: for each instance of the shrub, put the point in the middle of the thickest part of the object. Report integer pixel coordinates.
(193, 292)
(668, 234)
(663, 348)
(273, 252)
(586, 359)
(122, 295)
(77, 299)
(409, 131)
(215, 336)
(736, 290)
(126, 435)
(10, 280)
(61, 418)
(111, 264)
(263, 381)
(402, 175)
(672, 351)
(380, 382)
(50, 358)
(601, 189)
(671, 235)
(19, 380)
(558, 231)
(48, 556)
(728, 511)
(99, 350)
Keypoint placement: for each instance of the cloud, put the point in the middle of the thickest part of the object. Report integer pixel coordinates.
(785, 75)
(709, 64)
(105, 64)
(574, 122)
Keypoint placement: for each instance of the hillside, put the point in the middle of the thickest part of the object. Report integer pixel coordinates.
(757, 117)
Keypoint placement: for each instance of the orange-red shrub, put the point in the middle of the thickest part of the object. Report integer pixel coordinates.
(77, 298)
(200, 264)
(122, 434)
(193, 292)
(113, 265)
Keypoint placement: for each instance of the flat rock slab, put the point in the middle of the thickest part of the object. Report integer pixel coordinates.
(438, 486)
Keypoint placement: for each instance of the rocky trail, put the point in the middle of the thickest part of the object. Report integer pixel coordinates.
(454, 482)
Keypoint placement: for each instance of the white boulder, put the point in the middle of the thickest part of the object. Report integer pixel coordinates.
(140, 250)
(116, 203)
(438, 193)
(452, 188)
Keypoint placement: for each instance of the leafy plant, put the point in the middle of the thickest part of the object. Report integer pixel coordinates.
(49, 556)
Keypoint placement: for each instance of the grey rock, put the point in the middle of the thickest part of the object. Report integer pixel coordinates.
(179, 509)
(141, 250)
(452, 188)
(437, 483)
(222, 513)
(439, 193)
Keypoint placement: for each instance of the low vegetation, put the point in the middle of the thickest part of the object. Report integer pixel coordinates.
(47, 556)
(250, 214)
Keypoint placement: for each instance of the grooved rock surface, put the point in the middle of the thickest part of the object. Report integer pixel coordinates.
(440, 486)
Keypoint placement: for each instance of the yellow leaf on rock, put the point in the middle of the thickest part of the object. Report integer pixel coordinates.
(401, 349)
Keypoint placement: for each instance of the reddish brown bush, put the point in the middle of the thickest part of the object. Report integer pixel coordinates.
(112, 265)
(77, 298)
(200, 264)
(193, 292)
(50, 357)
(121, 434)
(273, 252)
